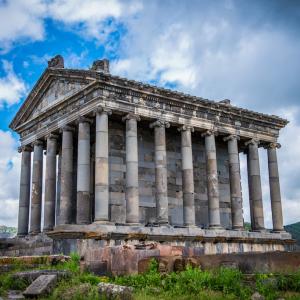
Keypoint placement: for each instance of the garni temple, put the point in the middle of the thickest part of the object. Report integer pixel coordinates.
(119, 171)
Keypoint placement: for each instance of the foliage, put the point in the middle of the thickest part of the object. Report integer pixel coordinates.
(192, 281)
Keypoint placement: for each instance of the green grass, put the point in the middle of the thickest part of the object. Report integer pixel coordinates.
(190, 284)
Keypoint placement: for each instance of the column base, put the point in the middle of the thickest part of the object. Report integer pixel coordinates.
(215, 227)
(189, 226)
(278, 230)
(103, 222)
(132, 224)
(20, 235)
(34, 232)
(238, 228)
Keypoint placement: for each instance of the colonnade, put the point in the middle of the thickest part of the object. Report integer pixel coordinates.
(33, 208)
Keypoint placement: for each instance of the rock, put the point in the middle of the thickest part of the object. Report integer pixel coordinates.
(257, 296)
(113, 291)
(178, 265)
(30, 276)
(41, 286)
(14, 295)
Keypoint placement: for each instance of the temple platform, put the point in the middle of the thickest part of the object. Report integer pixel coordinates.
(117, 249)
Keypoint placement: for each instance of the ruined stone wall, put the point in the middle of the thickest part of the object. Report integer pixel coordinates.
(117, 168)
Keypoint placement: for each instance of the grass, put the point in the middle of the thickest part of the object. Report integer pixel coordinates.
(190, 284)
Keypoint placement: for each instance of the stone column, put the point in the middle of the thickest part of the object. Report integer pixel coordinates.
(235, 182)
(50, 183)
(65, 215)
(212, 180)
(275, 187)
(254, 182)
(187, 176)
(24, 197)
(132, 169)
(161, 179)
(83, 213)
(36, 191)
(58, 187)
(102, 166)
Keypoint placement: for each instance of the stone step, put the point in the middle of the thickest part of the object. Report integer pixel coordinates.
(41, 286)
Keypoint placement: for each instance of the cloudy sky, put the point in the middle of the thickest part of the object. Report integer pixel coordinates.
(246, 51)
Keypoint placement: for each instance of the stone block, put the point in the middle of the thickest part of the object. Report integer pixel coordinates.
(41, 286)
(113, 291)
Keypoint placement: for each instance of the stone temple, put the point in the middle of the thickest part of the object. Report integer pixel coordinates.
(114, 168)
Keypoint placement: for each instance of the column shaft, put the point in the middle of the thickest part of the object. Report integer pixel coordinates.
(212, 181)
(275, 188)
(65, 215)
(24, 197)
(37, 184)
(132, 170)
(254, 182)
(235, 183)
(83, 173)
(161, 176)
(101, 167)
(50, 183)
(187, 177)
(58, 188)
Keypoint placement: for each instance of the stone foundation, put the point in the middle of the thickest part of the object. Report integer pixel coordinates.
(110, 249)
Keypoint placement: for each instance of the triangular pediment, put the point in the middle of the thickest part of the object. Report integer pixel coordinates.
(57, 90)
(50, 89)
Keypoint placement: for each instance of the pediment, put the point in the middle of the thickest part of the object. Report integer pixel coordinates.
(57, 90)
(48, 91)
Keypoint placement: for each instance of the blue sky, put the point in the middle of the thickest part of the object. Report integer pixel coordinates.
(246, 51)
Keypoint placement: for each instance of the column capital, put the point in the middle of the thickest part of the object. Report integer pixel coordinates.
(186, 128)
(131, 116)
(209, 133)
(272, 146)
(38, 143)
(52, 136)
(160, 123)
(231, 137)
(67, 128)
(252, 142)
(103, 110)
(83, 119)
(27, 148)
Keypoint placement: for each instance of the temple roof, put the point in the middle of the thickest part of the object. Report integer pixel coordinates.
(94, 75)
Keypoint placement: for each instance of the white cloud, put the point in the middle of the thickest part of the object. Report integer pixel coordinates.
(90, 17)
(21, 20)
(12, 87)
(9, 178)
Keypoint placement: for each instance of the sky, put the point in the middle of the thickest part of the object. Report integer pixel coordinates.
(245, 51)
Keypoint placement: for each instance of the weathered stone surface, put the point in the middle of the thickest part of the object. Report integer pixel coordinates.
(41, 286)
(257, 296)
(113, 291)
(30, 276)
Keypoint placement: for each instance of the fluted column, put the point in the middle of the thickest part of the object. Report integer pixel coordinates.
(235, 182)
(50, 183)
(36, 191)
(102, 166)
(132, 169)
(187, 176)
(24, 196)
(161, 179)
(212, 180)
(83, 213)
(254, 182)
(65, 215)
(275, 187)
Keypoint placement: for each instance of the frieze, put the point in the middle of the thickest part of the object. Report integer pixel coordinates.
(105, 90)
